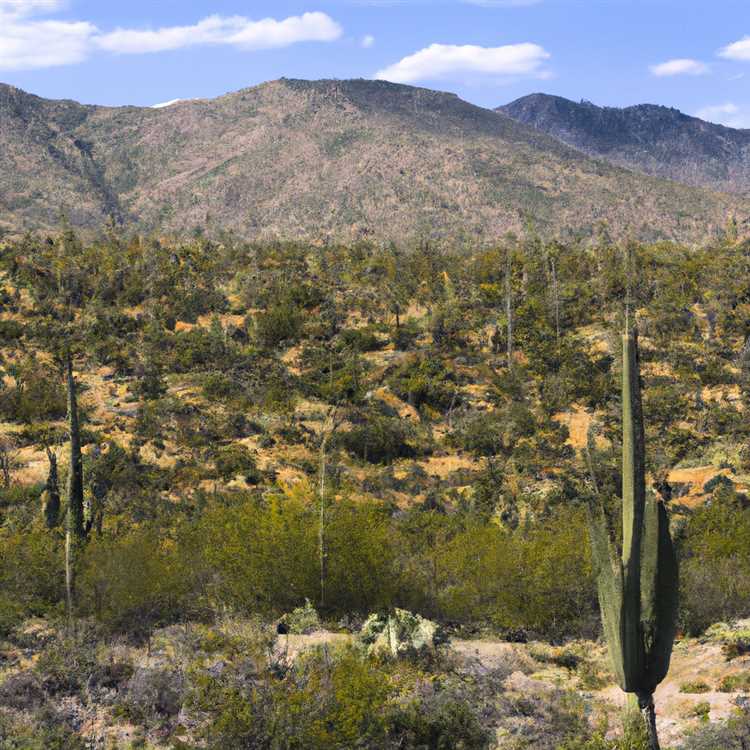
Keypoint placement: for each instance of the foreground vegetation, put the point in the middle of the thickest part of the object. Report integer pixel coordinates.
(364, 428)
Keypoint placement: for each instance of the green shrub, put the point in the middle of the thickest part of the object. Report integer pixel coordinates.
(279, 324)
(695, 687)
(425, 381)
(31, 574)
(735, 683)
(235, 459)
(302, 620)
(733, 734)
(379, 440)
(138, 581)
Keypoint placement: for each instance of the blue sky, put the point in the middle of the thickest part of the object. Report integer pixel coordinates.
(690, 54)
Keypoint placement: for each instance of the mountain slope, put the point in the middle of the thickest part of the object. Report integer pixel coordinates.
(319, 159)
(655, 140)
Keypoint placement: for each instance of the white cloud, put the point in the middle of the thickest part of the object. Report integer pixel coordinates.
(367, 41)
(739, 50)
(680, 67)
(728, 114)
(236, 31)
(441, 60)
(22, 8)
(27, 45)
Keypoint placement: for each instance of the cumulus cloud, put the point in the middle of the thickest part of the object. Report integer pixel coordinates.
(680, 67)
(728, 114)
(21, 8)
(442, 60)
(43, 44)
(739, 50)
(367, 41)
(236, 31)
(27, 43)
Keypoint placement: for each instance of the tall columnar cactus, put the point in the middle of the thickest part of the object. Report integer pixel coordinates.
(75, 526)
(638, 590)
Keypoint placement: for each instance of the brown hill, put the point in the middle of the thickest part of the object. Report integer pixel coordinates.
(320, 159)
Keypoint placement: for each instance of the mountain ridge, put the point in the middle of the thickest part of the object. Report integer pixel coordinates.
(656, 140)
(331, 159)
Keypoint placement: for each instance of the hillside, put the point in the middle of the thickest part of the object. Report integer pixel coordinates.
(658, 141)
(288, 436)
(339, 159)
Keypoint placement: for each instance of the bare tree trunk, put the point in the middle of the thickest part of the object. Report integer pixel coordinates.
(322, 552)
(69, 574)
(509, 309)
(556, 296)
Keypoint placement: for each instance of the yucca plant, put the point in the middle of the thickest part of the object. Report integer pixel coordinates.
(638, 589)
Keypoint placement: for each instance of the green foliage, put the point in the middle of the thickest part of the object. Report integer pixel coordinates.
(302, 620)
(695, 687)
(137, 581)
(236, 459)
(338, 700)
(733, 734)
(37, 394)
(425, 381)
(715, 572)
(31, 574)
(278, 324)
(536, 581)
(378, 439)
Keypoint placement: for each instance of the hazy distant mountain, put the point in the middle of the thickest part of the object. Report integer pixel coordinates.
(656, 140)
(320, 159)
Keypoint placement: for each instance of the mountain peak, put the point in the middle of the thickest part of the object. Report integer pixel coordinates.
(649, 138)
(326, 159)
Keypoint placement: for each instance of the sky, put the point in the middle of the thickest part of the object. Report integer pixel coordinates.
(689, 54)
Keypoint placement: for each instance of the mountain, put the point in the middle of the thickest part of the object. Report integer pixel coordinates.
(325, 159)
(655, 140)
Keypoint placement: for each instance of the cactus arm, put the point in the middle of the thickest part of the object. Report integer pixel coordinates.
(633, 449)
(633, 507)
(659, 593)
(609, 579)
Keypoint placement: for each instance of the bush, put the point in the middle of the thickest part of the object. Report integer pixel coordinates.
(424, 381)
(322, 703)
(68, 663)
(379, 440)
(279, 324)
(695, 687)
(715, 568)
(733, 734)
(37, 394)
(31, 575)
(138, 581)
(302, 620)
(235, 459)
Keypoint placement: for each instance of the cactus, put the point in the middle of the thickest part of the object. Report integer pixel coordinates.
(51, 494)
(75, 526)
(637, 591)
(76, 520)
